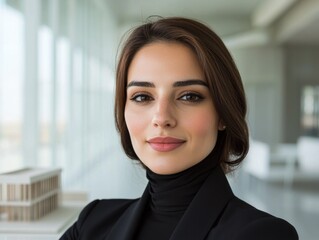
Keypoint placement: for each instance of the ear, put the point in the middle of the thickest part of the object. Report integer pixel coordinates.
(221, 126)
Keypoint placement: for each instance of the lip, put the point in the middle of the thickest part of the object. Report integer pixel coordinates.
(165, 144)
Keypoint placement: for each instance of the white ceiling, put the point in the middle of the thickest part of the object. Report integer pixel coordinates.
(309, 34)
(136, 10)
(289, 21)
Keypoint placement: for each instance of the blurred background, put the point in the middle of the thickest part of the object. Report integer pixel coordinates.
(57, 65)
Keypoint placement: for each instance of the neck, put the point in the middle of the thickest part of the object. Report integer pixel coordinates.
(173, 193)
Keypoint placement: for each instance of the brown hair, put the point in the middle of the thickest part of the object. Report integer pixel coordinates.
(223, 79)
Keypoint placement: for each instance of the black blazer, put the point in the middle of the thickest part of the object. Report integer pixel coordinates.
(214, 214)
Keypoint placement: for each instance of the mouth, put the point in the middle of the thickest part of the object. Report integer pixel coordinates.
(165, 144)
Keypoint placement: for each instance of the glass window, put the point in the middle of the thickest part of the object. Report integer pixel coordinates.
(11, 86)
(45, 90)
(56, 88)
(62, 97)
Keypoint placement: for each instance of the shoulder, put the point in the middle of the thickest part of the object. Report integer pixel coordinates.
(241, 221)
(97, 213)
(267, 228)
(103, 209)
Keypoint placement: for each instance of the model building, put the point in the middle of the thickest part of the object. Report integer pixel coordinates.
(29, 194)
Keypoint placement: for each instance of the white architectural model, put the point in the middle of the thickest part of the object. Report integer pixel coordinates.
(29, 194)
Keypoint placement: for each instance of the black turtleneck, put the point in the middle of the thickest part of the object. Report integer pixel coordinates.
(170, 197)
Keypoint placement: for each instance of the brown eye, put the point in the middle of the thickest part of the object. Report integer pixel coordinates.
(191, 97)
(140, 98)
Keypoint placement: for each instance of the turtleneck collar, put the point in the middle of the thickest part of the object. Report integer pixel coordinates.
(173, 193)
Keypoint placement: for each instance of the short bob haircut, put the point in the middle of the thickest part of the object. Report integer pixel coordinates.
(219, 69)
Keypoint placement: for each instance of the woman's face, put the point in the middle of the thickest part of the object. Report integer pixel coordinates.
(169, 111)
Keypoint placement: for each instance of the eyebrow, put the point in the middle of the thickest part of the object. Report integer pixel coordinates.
(190, 82)
(140, 84)
(175, 84)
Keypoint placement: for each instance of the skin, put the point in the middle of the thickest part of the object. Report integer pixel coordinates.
(164, 101)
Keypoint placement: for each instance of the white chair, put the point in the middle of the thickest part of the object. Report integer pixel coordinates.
(308, 154)
(271, 166)
(257, 162)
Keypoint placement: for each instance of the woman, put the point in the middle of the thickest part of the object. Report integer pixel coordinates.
(180, 110)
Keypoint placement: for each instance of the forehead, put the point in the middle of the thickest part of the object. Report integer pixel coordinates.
(169, 59)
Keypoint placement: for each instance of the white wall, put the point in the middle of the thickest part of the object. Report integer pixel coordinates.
(302, 68)
(262, 71)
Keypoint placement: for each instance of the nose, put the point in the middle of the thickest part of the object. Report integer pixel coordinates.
(164, 115)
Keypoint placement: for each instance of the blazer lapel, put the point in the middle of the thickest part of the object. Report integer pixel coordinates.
(205, 209)
(126, 226)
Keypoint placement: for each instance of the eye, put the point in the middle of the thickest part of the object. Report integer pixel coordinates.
(191, 97)
(141, 98)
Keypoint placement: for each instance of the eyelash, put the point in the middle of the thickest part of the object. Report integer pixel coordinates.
(147, 98)
(198, 97)
(141, 95)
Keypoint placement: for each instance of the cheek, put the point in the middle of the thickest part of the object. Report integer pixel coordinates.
(204, 124)
(134, 124)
